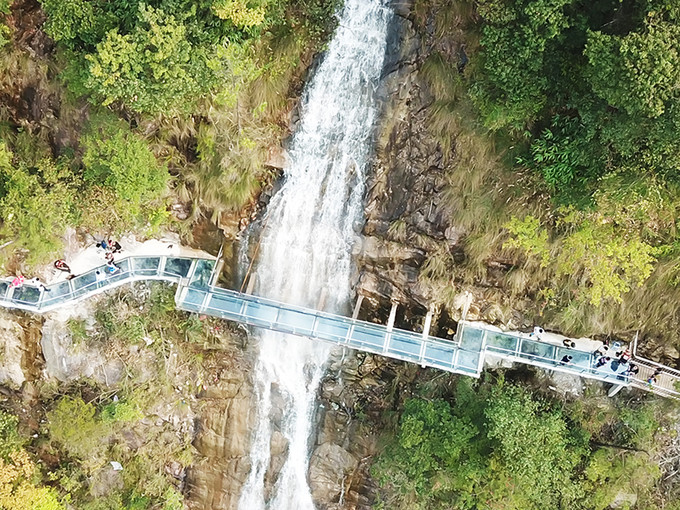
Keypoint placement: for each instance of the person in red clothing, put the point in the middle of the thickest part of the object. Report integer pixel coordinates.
(115, 246)
(17, 282)
(62, 266)
(624, 356)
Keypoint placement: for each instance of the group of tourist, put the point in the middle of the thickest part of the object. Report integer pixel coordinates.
(110, 248)
(603, 358)
(622, 357)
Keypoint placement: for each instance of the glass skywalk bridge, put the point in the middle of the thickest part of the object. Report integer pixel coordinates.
(520, 349)
(356, 334)
(32, 298)
(465, 354)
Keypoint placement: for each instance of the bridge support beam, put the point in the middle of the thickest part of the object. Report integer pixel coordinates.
(615, 389)
(251, 284)
(322, 299)
(357, 306)
(393, 316)
(428, 323)
(426, 331)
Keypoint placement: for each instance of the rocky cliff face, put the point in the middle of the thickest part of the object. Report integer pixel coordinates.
(407, 216)
(223, 438)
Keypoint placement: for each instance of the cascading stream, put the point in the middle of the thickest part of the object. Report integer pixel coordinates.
(305, 255)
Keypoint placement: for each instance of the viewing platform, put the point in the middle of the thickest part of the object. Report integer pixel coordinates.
(473, 344)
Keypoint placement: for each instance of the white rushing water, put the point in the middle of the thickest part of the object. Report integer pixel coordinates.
(305, 255)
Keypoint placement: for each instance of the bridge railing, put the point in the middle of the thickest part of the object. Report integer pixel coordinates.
(134, 268)
(543, 354)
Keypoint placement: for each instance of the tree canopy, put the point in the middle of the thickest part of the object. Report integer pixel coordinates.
(497, 446)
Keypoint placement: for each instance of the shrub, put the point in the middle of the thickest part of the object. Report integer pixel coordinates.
(72, 423)
(123, 163)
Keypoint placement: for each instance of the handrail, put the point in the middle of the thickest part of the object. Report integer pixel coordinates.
(75, 293)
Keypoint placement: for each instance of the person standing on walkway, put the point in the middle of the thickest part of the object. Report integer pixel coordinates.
(111, 267)
(115, 246)
(633, 369)
(624, 356)
(36, 281)
(536, 333)
(602, 351)
(17, 282)
(602, 361)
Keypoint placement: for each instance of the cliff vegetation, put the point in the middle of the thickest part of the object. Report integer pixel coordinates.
(121, 116)
(557, 123)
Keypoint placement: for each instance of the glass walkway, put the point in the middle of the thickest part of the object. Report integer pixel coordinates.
(473, 343)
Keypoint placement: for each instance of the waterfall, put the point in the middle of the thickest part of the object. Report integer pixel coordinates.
(305, 252)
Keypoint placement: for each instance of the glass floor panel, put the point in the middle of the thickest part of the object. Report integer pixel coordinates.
(332, 330)
(177, 267)
(297, 320)
(193, 297)
(368, 336)
(468, 359)
(84, 283)
(59, 293)
(146, 266)
(471, 338)
(537, 349)
(201, 276)
(26, 295)
(226, 303)
(496, 339)
(404, 344)
(442, 354)
(261, 311)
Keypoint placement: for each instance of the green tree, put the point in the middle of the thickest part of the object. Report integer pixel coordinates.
(500, 449)
(605, 260)
(72, 22)
(639, 72)
(154, 69)
(610, 262)
(529, 236)
(240, 12)
(515, 37)
(36, 205)
(73, 424)
(4, 29)
(10, 440)
(122, 162)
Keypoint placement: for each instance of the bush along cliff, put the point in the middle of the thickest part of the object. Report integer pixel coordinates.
(495, 445)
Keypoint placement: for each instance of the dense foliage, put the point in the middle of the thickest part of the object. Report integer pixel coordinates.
(559, 120)
(498, 447)
(20, 487)
(184, 100)
(596, 86)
